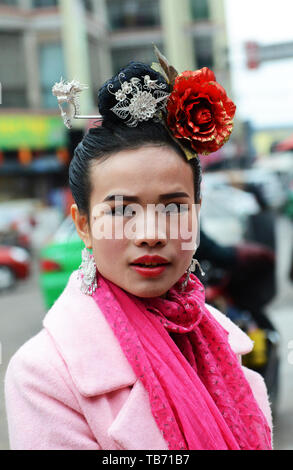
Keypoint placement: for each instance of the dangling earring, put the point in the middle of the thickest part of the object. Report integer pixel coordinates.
(191, 268)
(87, 273)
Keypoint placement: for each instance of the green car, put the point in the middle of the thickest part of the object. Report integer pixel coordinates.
(58, 259)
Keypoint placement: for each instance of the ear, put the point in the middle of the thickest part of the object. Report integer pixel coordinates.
(82, 225)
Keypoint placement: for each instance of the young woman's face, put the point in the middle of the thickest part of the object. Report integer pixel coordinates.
(145, 177)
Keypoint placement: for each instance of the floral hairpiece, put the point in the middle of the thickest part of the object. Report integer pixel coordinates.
(137, 102)
(193, 106)
(199, 114)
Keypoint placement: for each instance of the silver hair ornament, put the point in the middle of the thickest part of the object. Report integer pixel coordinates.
(139, 102)
(67, 94)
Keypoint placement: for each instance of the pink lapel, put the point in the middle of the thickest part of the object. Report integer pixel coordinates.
(87, 343)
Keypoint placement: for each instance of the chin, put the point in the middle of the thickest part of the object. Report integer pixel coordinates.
(149, 291)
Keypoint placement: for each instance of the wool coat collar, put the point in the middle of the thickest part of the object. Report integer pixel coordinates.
(89, 347)
(87, 343)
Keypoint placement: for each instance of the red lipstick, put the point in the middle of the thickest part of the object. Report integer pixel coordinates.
(150, 265)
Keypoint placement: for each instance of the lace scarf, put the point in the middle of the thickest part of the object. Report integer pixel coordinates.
(197, 390)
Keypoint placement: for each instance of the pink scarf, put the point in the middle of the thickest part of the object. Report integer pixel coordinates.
(198, 393)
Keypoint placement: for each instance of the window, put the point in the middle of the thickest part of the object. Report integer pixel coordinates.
(133, 13)
(12, 70)
(121, 57)
(94, 63)
(44, 3)
(199, 9)
(204, 52)
(9, 2)
(88, 5)
(51, 70)
(54, 3)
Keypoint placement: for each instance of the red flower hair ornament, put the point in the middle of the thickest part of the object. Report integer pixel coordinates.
(199, 114)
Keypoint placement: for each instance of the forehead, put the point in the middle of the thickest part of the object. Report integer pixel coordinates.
(144, 172)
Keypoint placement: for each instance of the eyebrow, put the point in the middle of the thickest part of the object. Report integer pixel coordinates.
(112, 197)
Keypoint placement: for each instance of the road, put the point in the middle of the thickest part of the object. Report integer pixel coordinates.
(281, 314)
(21, 314)
(22, 311)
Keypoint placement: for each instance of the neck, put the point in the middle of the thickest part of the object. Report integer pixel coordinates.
(164, 296)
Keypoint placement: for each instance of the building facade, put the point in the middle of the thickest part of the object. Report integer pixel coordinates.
(44, 40)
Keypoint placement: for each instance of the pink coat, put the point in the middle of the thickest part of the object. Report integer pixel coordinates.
(71, 387)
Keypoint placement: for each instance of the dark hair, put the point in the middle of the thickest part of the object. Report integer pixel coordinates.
(114, 136)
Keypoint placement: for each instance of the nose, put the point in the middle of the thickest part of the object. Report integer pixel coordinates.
(151, 233)
(152, 242)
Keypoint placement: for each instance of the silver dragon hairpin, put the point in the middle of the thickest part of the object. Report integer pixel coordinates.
(67, 94)
(137, 101)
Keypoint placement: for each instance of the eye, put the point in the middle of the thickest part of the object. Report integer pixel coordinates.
(124, 211)
(176, 208)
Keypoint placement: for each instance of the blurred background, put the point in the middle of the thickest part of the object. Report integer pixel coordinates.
(247, 214)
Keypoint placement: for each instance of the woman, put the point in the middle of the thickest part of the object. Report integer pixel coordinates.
(130, 356)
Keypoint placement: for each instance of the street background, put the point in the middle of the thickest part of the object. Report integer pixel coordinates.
(247, 210)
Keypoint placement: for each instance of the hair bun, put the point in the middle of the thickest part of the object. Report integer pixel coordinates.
(107, 100)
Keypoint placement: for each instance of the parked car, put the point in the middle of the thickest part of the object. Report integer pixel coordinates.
(14, 237)
(267, 186)
(14, 264)
(281, 164)
(225, 210)
(17, 222)
(58, 258)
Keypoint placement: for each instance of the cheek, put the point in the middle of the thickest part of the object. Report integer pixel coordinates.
(188, 239)
(107, 248)
(185, 228)
(107, 253)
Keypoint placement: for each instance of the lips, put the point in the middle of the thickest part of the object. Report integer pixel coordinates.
(150, 261)
(149, 266)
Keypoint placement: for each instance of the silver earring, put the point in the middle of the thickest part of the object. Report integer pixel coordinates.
(192, 268)
(87, 273)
